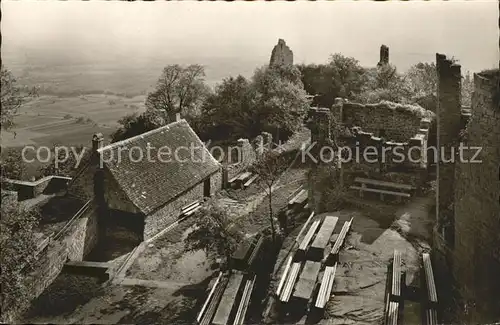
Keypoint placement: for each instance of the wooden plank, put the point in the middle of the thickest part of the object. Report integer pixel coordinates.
(250, 181)
(393, 313)
(309, 236)
(290, 284)
(396, 274)
(190, 206)
(245, 300)
(340, 239)
(384, 183)
(244, 176)
(228, 299)
(214, 303)
(429, 276)
(307, 280)
(256, 250)
(302, 198)
(325, 290)
(235, 178)
(297, 239)
(192, 211)
(292, 201)
(284, 276)
(431, 317)
(325, 232)
(209, 298)
(379, 191)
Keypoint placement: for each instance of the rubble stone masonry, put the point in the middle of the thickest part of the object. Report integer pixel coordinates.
(477, 207)
(448, 127)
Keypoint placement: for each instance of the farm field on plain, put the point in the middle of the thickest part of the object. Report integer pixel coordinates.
(50, 120)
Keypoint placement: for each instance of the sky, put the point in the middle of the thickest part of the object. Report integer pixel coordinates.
(140, 32)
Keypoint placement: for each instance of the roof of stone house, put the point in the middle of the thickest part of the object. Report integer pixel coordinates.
(151, 183)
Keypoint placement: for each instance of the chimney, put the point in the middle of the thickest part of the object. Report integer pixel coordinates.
(177, 117)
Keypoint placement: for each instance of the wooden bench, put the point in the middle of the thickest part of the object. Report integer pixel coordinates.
(430, 317)
(250, 181)
(190, 206)
(213, 303)
(286, 292)
(393, 313)
(322, 239)
(307, 280)
(229, 297)
(304, 244)
(299, 198)
(325, 290)
(244, 302)
(209, 299)
(429, 280)
(237, 181)
(341, 237)
(396, 276)
(383, 188)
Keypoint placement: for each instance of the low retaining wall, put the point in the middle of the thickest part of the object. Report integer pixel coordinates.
(28, 190)
(75, 243)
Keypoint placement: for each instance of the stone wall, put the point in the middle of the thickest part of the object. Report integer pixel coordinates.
(28, 190)
(392, 121)
(477, 206)
(77, 241)
(166, 215)
(83, 236)
(448, 118)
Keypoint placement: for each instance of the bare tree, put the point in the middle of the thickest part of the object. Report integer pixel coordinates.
(270, 167)
(12, 96)
(178, 90)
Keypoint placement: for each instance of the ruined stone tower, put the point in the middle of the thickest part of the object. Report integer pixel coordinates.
(476, 262)
(281, 55)
(384, 55)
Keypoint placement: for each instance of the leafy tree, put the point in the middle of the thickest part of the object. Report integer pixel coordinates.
(135, 124)
(342, 77)
(228, 111)
(279, 100)
(12, 97)
(348, 76)
(12, 165)
(273, 101)
(17, 257)
(178, 90)
(212, 232)
(270, 167)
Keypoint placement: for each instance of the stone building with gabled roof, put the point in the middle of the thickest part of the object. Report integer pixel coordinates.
(146, 180)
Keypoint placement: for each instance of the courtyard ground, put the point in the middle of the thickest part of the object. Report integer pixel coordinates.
(360, 281)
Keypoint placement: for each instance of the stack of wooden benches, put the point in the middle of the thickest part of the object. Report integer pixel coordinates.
(242, 180)
(190, 209)
(382, 188)
(229, 298)
(430, 298)
(302, 270)
(394, 296)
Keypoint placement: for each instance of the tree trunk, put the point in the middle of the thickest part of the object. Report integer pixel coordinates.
(273, 233)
